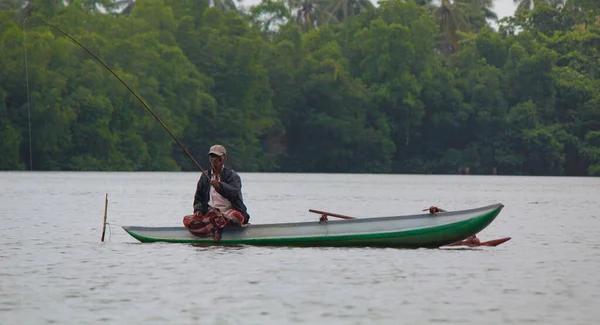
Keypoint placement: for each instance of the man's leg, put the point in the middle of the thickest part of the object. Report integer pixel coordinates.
(198, 225)
(236, 217)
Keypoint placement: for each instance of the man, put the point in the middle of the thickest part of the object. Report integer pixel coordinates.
(217, 202)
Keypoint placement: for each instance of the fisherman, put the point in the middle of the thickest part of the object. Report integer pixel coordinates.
(218, 202)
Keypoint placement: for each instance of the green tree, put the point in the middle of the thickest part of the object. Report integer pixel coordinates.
(227, 50)
(591, 152)
(529, 76)
(333, 106)
(10, 140)
(269, 15)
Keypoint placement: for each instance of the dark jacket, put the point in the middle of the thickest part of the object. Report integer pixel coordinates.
(230, 188)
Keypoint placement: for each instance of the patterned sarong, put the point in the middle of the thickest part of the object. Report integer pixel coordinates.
(212, 223)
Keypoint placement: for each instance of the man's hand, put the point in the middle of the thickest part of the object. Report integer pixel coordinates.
(215, 184)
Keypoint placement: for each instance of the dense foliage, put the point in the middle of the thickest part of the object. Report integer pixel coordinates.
(303, 86)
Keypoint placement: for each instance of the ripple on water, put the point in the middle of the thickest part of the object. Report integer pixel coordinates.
(59, 272)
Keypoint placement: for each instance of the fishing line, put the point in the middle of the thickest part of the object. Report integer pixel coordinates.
(109, 231)
(128, 88)
(109, 226)
(28, 98)
(134, 94)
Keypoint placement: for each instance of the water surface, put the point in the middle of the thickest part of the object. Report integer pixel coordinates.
(54, 269)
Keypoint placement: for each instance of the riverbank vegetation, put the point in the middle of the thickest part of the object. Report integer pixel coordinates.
(303, 86)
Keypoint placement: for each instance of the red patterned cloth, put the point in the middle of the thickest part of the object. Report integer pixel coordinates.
(212, 223)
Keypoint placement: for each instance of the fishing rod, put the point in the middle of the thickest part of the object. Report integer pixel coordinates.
(136, 96)
(131, 90)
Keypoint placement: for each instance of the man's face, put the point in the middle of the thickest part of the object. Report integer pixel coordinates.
(216, 162)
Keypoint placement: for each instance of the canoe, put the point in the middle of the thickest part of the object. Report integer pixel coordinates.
(409, 231)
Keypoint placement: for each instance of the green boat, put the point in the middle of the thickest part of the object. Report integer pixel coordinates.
(410, 231)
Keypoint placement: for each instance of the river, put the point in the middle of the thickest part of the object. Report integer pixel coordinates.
(55, 270)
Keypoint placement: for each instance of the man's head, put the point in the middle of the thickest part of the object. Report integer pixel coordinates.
(217, 150)
(217, 156)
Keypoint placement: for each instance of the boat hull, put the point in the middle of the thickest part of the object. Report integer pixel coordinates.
(422, 230)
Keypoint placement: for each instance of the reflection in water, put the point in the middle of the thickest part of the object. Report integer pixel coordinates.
(53, 268)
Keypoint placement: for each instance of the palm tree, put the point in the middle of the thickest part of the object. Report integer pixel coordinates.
(125, 7)
(523, 4)
(555, 3)
(483, 6)
(478, 12)
(529, 4)
(128, 5)
(451, 19)
(223, 4)
(309, 13)
(424, 2)
(11, 4)
(339, 10)
(26, 7)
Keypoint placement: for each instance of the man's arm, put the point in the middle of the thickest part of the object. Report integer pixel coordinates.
(232, 189)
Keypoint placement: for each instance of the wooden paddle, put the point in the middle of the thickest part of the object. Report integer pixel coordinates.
(325, 214)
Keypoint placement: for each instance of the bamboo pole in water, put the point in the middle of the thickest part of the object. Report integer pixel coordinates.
(104, 222)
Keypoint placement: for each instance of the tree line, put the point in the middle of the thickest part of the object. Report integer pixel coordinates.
(404, 86)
